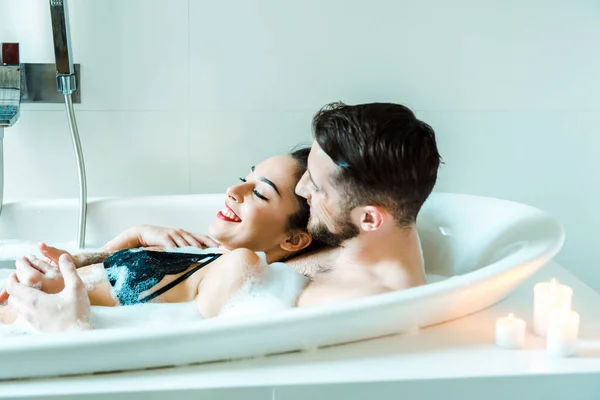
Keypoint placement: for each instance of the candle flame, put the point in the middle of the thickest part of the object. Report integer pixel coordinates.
(553, 284)
(511, 316)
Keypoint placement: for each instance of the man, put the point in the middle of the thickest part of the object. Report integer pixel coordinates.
(370, 169)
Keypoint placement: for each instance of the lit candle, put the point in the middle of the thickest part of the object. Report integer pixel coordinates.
(510, 332)
(549, 297)
(563, 329)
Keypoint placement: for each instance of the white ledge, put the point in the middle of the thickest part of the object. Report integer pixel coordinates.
(459, 349)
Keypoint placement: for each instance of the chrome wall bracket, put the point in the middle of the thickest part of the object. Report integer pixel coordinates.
(39, 84)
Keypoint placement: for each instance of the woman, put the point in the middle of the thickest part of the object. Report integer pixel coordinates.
(261, 214)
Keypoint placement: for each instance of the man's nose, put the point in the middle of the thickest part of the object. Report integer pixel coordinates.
(301, 187)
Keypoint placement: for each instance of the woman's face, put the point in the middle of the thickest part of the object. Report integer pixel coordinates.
(257, 209)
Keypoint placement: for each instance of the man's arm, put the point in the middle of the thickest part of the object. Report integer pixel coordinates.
(80, 260)
(128, 239)
(149, 235)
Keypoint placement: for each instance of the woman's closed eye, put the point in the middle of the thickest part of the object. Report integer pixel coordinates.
(256, 192)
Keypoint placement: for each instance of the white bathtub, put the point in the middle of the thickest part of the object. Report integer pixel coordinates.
(488, 246)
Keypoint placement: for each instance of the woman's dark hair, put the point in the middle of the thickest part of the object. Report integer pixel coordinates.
(299, 220)
(386, 156)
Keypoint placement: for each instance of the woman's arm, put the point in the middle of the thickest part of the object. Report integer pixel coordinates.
(224, 278)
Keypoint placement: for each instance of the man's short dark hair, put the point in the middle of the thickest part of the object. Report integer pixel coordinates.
(385, 155)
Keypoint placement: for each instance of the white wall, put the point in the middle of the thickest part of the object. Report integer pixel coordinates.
(183, 96)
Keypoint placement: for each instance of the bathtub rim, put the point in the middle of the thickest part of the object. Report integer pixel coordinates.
(537, 255)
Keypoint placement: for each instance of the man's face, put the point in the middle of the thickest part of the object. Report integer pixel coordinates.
(330, 219)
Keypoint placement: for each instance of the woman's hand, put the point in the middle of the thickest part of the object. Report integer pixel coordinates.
(38, 274)
(151, 235)
(63, 311)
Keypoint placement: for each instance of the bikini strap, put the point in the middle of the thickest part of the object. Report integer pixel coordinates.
(213, 257)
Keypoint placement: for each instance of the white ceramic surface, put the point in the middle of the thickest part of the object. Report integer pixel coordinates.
(489, 245)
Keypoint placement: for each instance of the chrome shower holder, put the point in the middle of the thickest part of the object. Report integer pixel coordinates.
(40, 83)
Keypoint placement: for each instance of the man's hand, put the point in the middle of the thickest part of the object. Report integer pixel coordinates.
(64, 311)
(150, 235)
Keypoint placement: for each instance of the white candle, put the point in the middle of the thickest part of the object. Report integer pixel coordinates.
(548, 298)
(510, 332)
(563, 329)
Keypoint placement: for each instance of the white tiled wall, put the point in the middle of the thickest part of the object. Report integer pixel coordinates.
(182, 96)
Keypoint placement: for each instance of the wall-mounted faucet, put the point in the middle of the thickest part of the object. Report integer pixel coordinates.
(10, 97)
(10, 84)
(29, 83)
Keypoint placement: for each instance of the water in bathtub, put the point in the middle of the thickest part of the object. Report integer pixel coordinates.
(275, 290)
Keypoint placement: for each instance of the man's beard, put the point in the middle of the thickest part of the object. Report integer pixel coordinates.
(344, 227)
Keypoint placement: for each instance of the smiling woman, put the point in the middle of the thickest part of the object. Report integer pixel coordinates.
(263, 222)
(263, 211)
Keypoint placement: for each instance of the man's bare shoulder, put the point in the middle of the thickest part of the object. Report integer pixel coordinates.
(314, 263)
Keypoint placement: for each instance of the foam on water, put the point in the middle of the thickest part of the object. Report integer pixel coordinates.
(12, 249)
(19, 327)
(93, 276)
(274, 291)
(4, 273)
(120, 274)
(141, 316)
(147, 316)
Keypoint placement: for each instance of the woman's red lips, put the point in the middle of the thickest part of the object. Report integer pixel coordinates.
(227, 214)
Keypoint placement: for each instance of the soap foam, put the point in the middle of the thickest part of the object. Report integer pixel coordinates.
(13, 249)
(120, 274)
(93, 276)
(146, 315)
(19, 327)
(276, 290)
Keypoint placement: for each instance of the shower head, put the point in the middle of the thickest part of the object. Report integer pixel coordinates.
(65, 70)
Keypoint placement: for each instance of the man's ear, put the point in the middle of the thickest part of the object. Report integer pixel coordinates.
(371, 218)
(296, 241)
